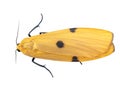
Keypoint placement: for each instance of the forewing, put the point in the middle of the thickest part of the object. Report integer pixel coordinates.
(84, 42)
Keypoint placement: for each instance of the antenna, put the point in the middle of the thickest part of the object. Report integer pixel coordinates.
(17, 42)
(17, 32)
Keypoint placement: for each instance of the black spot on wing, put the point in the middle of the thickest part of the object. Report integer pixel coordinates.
(60, 44)
(73, 29)
(75, 59)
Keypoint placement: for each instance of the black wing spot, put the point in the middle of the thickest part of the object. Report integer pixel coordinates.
(60, 44)
(73, 29)
(75, 59)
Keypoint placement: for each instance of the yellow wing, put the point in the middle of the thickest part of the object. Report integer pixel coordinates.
(86, 43)
(59, 57)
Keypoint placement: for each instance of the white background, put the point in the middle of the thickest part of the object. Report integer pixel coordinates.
(103, 73)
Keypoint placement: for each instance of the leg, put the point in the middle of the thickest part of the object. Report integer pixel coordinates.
(42, 33)
(33, 60)
(36, 26)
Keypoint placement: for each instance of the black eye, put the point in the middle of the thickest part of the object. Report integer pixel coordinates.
(18, 43)
(18, 50)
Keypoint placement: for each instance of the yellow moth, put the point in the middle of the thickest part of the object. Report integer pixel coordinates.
(72, 44)
(83, 43)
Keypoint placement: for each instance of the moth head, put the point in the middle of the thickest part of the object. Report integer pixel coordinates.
(25, 45)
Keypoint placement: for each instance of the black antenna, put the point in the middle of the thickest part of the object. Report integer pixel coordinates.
(36, 25)
(17, 42)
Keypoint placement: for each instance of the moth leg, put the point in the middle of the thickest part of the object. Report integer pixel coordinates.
(36, 25)
(33, 60)
(80, 62)
(42, 33)
(75, 59)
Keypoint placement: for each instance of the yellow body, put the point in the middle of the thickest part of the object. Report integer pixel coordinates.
(85, 43)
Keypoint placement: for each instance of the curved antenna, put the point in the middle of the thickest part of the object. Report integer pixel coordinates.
(15, 56)
(17, 42)
(36, 25)
(17, 32)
